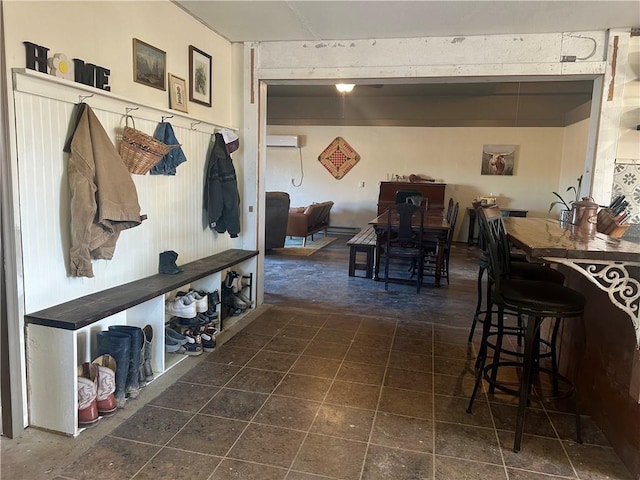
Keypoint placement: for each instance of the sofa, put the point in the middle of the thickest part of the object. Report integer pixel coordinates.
(305, 221)
(276, 219)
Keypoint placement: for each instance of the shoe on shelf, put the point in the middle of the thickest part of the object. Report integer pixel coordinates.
(181, 306)
(147, 369)
(106, 385)
(210, 331)
(244, 299)
(87, 394)
(194, 343)
(208, 342)
(208, 316)
(172, 345)
(214, 299)
(200, 299)
(179, 323)
(174, 336)
(238, 303)
(237, 285)
(167, 263)
(230, 278)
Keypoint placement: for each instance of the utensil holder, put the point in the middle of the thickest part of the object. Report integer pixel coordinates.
(608, 225)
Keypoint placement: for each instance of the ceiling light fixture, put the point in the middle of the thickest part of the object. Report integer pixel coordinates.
(344, 87)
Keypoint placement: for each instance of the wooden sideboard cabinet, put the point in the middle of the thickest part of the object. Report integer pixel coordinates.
(433, 191)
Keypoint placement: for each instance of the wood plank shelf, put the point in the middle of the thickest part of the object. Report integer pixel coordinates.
(86, 310)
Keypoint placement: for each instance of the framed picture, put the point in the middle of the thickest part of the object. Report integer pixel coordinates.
(199, 76)
(149, 65)
(177, 93)
(498, 159)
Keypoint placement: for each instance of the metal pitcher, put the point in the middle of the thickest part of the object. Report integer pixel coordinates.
(585, 214)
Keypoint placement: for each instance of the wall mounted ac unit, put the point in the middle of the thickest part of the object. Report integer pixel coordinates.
(283, 141)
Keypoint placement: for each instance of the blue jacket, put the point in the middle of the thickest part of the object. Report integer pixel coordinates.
(167, 164)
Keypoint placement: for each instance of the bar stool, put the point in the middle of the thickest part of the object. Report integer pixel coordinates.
(520, 268)
(535, 300)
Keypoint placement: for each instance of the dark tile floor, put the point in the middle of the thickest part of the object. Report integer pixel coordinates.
(342, 380)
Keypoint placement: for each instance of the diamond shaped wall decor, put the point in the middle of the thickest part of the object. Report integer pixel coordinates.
(339, 158)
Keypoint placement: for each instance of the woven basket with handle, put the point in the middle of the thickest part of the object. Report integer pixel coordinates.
(139, 151)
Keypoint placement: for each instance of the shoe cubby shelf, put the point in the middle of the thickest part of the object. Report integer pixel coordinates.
(61, 337)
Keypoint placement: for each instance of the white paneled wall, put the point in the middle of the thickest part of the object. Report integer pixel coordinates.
(173, 204)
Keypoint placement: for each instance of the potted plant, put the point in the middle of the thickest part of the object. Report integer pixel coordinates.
(565, 213)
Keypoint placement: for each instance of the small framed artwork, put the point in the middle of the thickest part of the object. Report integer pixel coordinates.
(200, 66)
(149, 65)
(177, 93)
(498, 159)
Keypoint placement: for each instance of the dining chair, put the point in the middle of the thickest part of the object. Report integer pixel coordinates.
(403, 239)
(449, 210)
(431, 246)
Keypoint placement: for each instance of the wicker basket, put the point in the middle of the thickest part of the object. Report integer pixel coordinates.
(139, 151)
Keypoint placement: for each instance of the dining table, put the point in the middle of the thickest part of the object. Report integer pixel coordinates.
(435, 228)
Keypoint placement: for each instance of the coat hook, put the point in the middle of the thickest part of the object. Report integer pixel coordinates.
(82, 98)
(130, 109)
(193, 124)
(168, 116)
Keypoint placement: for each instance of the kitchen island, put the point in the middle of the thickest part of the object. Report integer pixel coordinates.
(607, 272)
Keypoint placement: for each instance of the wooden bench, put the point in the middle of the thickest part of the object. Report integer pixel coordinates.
(363, 242)
(60, 337)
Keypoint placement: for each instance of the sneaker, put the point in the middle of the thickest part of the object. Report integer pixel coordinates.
(194, 342)
(172, 346)
(175, 336)
(183, 307)
(200, 299)
(209, 316)
(192, 349)
(208, 342)
(179, 323)
(210, 331)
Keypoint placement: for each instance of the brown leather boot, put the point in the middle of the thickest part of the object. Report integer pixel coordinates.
(106, 385)
(87, 392)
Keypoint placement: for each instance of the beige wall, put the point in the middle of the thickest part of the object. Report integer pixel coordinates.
(449, 155)
(101, 32)
(574, 151)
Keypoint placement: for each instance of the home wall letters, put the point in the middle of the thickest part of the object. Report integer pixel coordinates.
(85, 73)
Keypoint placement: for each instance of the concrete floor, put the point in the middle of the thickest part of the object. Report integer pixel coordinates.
(334, 379)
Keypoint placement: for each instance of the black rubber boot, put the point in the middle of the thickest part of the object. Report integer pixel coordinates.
(117, 345)
(147, 370)
(136, 339)
(167, 263)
